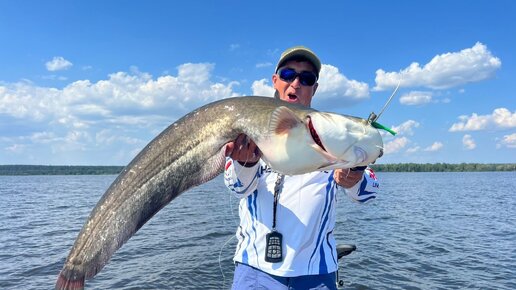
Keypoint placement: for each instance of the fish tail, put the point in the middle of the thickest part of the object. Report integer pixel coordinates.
(70, 279)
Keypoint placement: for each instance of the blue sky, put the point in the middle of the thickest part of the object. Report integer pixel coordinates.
(92, 82)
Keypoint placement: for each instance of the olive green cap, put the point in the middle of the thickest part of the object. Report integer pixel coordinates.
(300, 52)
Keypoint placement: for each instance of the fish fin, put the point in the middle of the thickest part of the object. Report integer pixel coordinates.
(70, 279)
(283, 120)
(213, 166)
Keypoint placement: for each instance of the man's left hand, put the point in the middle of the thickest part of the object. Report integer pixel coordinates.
(347, 178)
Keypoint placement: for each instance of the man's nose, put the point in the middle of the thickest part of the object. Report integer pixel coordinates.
(296, 83)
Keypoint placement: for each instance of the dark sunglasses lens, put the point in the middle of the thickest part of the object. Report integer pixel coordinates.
(307, 78)
(287, 74)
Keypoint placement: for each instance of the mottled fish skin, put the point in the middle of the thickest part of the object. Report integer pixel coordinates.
(186, 154)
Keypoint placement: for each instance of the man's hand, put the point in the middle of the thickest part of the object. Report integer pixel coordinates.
(243, 150)
(347, 178)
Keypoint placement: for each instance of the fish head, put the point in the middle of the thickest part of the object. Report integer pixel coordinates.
(344, 141)
(306, 141)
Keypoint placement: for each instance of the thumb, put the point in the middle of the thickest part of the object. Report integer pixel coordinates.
(229, 148)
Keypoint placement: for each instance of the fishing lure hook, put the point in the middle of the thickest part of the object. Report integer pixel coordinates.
(373, 117)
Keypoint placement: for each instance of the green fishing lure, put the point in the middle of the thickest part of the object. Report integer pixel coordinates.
(382, 127)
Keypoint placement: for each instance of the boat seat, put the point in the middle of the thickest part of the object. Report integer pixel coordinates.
(345, 249)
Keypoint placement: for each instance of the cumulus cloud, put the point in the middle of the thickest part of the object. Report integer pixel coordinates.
(436, 146)
(500, 118)
(44, 137)
(133, 106)
(264, 64)
(335, 89)
(508, 141)
(121, 93)
(58, 63)
(444, 71)
(261, 88)
(406, 128)
(416, 98)
(468, 142)
(413, 149)
(395, 145)
(16, 148)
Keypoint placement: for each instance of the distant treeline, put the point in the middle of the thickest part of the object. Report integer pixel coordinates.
(58, 170)
(399, 167)
(443, 167)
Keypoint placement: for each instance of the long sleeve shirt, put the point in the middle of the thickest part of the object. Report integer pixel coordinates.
(305, 217)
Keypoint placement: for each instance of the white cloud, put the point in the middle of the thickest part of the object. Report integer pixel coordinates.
(500, 118)
(121, 94)
(395, 145)
(261, 88)
(264, 64)
(44, 137)
(109, 137)
(16, 148)
(133, 106)
(406, 128)
(444, 71)
(54, 77)
(508, 141)
(58, 63)
(436, 146)
(468, 142)
(413, 149)
(335, 90)
(416, 98)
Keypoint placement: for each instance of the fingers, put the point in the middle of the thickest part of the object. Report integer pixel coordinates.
(243, 149)
(240, 142)
(347, 178)
(229, 148)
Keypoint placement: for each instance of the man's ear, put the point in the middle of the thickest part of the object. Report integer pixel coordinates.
(274, 80)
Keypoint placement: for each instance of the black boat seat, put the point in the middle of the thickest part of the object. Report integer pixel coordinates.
(344, 250)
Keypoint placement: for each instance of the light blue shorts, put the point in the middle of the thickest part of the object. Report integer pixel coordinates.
(247, 277)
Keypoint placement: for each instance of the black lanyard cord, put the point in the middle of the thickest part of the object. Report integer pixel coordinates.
(277, 190)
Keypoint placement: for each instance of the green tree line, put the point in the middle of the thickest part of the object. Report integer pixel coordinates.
(397, 167)
(443, 167)
(58, 170)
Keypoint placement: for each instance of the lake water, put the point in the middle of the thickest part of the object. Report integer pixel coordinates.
(425, 231)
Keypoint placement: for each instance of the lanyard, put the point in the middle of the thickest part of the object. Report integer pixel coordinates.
(274, 239)
(277, 190)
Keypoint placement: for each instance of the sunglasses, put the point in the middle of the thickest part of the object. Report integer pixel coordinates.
(306, 78)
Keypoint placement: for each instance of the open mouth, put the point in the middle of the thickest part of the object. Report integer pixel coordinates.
(292, 97)
(314, 134)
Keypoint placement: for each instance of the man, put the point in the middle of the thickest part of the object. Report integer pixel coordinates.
(285, 237)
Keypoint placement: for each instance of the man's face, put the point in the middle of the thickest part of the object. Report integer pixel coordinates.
(295, 92)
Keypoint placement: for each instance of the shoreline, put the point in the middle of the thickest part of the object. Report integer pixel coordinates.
(20, 170)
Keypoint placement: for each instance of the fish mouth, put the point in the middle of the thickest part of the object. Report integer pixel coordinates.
(314, 134)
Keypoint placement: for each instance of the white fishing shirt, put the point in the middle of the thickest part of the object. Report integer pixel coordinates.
(305, 217)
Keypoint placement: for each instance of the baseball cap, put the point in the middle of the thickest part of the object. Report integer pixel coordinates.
(300, 52)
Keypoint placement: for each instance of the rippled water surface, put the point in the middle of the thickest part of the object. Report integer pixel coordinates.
(426, 231)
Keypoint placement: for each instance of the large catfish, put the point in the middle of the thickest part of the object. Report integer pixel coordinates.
(293, 140)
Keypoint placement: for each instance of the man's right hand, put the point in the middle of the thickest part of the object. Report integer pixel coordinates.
(347, 178)
(243, 150)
